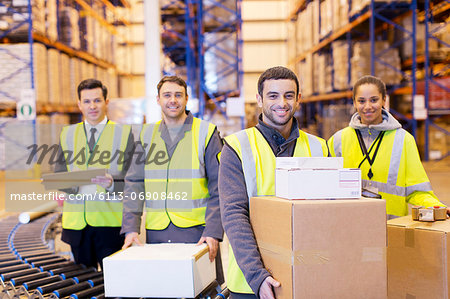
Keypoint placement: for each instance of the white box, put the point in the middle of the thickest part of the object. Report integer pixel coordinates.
(309, 162)
(318, 183)
(158, 270)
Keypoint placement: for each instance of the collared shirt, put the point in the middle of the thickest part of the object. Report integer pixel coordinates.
(100, 126)
(90, 189)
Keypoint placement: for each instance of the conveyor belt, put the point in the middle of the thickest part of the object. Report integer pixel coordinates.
(29, 267)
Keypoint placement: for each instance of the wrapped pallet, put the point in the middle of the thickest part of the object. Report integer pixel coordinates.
(51, 19)
(112, 81)
(315, 7)
(69, 28)
(64, 79)
(220, 77)
(13, 13)
(54, 73)
(75, 79)
(306, 74)
(20, 55)
(340, 64)
(326, 18)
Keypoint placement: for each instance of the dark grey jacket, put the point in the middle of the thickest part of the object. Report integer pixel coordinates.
(234, 203)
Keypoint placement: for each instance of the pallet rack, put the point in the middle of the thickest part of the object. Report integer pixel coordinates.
(375, 21)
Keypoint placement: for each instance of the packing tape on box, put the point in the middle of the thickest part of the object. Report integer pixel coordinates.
(315, 257)
(409, 234)
(299, 257)
(409, 296)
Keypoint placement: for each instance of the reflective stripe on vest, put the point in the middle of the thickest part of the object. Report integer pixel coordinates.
(258, 165)
(390, 181)
(177, 191)
(99, 208)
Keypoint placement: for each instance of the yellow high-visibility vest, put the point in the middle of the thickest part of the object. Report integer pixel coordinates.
(101, 209)
(258, 164)
(398, 173)
(176, 189)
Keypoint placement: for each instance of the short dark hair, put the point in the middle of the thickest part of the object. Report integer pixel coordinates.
(173, 79)
(277, 73)
(370, 80)
(92, 84)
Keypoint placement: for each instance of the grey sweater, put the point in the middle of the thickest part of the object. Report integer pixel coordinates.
(370, 132)
(234, 203)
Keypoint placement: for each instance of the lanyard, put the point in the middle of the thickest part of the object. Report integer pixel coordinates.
(88, 159)
(366, 154)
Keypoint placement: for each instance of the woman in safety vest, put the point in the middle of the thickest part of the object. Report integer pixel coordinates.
(387, 154)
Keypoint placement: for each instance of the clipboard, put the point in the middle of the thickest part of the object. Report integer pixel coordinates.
(62, 180)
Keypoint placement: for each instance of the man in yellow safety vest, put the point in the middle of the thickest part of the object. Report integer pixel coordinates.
(175, 171)
(92, 214)
(247, 169)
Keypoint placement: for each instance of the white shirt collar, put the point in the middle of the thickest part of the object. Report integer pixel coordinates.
(98, 126)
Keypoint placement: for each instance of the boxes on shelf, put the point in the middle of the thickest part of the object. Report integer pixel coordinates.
(360, 62)
(20, 55)
(438, 98)
(64, 79)
(69, 29)
(326, 18)
(417, 258)
(360, 5)
(322, 248)
(306, 75)
(54, 73)
(75, 78)
(322, 73)
(439, 142)
(51, 19)
(340, 64)
(304, 178)
(136, 271)
(334, 118)
(13, 13)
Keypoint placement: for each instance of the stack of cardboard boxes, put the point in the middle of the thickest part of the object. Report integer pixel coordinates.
(321, 248)
(418, 258)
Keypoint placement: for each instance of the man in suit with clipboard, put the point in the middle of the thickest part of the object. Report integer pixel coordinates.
(92, 214)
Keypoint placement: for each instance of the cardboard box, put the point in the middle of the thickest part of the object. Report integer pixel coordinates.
(318, 183)
(158, 270)
(418, 258)
(309, 162)
(322, 248)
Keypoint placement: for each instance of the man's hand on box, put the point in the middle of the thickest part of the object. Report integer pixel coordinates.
(130, 238)
(265, 290)
(448, 211)
(104, 181)
(213, 245)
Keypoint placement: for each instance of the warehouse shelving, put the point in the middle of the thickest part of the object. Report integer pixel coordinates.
(435, 12)
(373, 21)
(34, 36)
(188, 27)
(29, 35)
